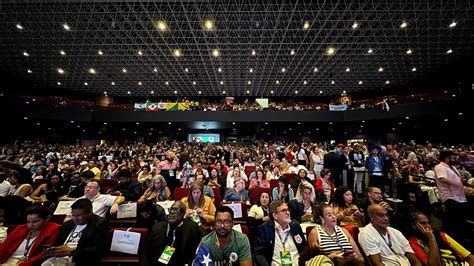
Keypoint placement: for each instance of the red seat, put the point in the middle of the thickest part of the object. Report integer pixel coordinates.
(255, 193)
(273, 183)
(290, 177)
(107, 184)
(244, 210)
(119, 257)
(217, 196)
(308, 231)
(249, 169)
(180, 193)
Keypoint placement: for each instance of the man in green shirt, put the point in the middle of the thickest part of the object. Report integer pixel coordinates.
(226, 245)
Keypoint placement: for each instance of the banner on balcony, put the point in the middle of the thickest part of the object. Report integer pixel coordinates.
(340, 107)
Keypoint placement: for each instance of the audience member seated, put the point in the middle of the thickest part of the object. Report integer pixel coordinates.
(216, 179)
(332, 240)
(283, 192)
(260, 181)
(374, 197)
(207, 191)
(302, 207)
(234, 174)
(21, 183)
(172, 242)
(75, 188)
(158, 191)
(199, 208)
(313, 257)
(280, 240)
(258, 213)
(81, 240)
(128, 188)
(49, 191)
(302, 176)
(237, 193)
(226, 246)
(101, 202)
(5, 186)
(347, 213)
(144, 176)
(274, 174)
(434, 247)
(149, 214)
(26, 244)
(382, 244)
(324, 184)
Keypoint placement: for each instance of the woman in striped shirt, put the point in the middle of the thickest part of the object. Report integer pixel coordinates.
(333, 241)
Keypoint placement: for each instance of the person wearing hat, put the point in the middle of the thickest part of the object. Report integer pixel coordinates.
(374, 165)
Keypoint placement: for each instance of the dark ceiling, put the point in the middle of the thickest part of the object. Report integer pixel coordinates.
(255, 42)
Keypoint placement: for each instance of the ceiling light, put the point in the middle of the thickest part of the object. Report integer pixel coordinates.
(355, 25)
(306, 25)
(128, 92)
(216, 53)
(112, 83)
(219, 70)
(387, 82)
(370, 51)
(409, 51)
(283, 70)
(254, 53)
(29, 71)
(175, 92)
(223, 92)
(26, 54)
(449, 51)
(161, 25)
(59, 83)
(360, 82)
(460, 113)
(177, 52)
(277, 81)
(186, 70)
(152, 92)
(320, 92)
(344, 92)
(222, 82)
(333, 82)
(155, 69)
(407, 117)
(194, 83)
(208, 24)
(86, 84)
(66, 26)
(348, 69)
(199, 92)
(167, 83)
(305, 82)
(105, 93)
(139, 83)
(249, 82)
(91, 71)
(251, 70)
(60, 71)
(413, 69)
(453, 24)
(271, 92)
(100, 52)
(18, 26)
(380, 69)
(330, 51)
(315, 69)
(292, 52)
(296, 92)
(140, 52)
(62, 52)
(124, 70)
(248, 91)
(403, 25)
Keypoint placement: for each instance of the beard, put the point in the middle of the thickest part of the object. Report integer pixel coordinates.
(222, 232)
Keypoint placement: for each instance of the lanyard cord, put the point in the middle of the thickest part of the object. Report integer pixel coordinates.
(283, 242)
(335, 239)
(174, 234)
(28, 245)
(388, 241)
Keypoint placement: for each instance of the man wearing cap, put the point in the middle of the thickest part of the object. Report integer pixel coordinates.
(451, 192)
(374, 165)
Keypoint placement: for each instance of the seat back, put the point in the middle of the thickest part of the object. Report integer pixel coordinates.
(290, 177)
(244, 210)
(217, 196)
(107, 184)
(255, 193)
(273, 183)
(180, 193)
(308, 231)
(249, 169)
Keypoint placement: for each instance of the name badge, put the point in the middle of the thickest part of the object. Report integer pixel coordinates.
(166, 255)
(171, 172)
(285, 258)
(196, 219)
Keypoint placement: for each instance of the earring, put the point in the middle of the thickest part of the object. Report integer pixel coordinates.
(322, 221)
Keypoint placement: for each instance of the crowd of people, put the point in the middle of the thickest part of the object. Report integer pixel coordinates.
(316, 203)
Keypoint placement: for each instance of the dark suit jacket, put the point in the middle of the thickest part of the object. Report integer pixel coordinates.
(297, 209)
(92, 243)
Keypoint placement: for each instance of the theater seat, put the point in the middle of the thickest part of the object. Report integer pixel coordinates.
(180, 193)
(249, 170)
(255, 192)
(113, 257)
(217, 196)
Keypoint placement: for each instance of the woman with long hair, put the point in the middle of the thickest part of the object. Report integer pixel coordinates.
(199, 208)
(49, 191)
(282, 192)
(347, 212)
(158, 191)
(259, 181)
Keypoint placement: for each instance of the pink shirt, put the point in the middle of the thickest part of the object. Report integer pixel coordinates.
(448, 191)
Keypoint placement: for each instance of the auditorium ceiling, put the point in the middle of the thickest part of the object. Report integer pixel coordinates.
(231, 48)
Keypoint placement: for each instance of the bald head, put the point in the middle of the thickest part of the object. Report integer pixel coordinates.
(378, 216)
(374, 208)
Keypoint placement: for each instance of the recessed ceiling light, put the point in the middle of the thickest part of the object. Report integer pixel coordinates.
(454, 95)
(91, 71)
(330, 51)
(124, 70)
(26, 54)
(175, 92)
(355, 25)
(167, 83)
(112, 83)
(271, 92)
(60, 70)
(186, 70)
(360, 82)
(105, 93)
(161, 25)
(387, 82)
(449, 51)
(315, 69)
(155, 69)
(333, 82)
(100, 52)
(348, 69)
(407, 117)
(222, 82)
(248, 91)
(460, 113)
(62, 52)
(86, 84)
(403, 25)
(296, 92)
(29, 71)
(169, 123)
(219, 70)
(413, 69)
(177, 52)
(251, 70)
(254, 53)
(380, 69)
(363, 121)
(344, 92)
(59, 83)
(208, 24)
(66, 26)
(306, 25)
(370, 51)
(305, 82)
(292, 52)
(409, 51)
(194, 82)
(152, 92)
(249, 82)
(446, 120)
(139, 83)
(140, 52)
(128, 92)
(18, 26)
(223, 92)
(320, 92)
(453, 24)
(277, 81)
(283, 70)
(199, 92)
(216, 53)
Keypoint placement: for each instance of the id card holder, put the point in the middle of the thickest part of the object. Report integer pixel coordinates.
(196, 219)
(285, 258)
(171, 173)
(166, 255)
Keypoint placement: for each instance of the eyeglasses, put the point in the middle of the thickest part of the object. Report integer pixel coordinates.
(174, 210)
(284, 210)
(224, 222)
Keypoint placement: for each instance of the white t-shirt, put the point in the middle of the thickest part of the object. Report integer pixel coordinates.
(101, 203)
(73, 239)
(5, 188)
(373, 243)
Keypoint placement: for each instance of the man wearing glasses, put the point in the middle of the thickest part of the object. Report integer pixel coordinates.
(374, 196)
(280, 240)
(172, 242)
(101, 202)
(227, 246)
